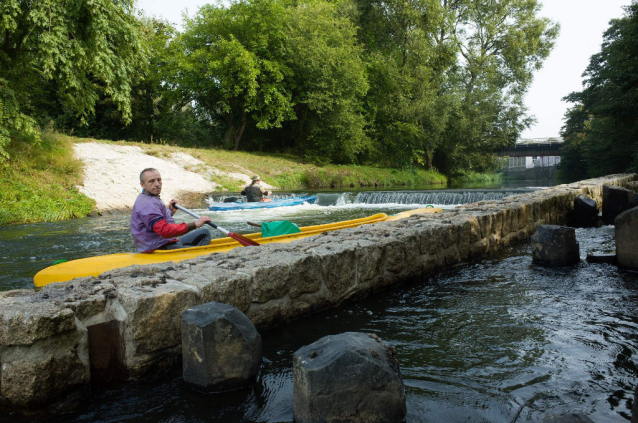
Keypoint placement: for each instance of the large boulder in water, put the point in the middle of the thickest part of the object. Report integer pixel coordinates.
(585, 213)
(554, 245)
(221, 348)
(627, 239)
(351, 377)
(615, 201)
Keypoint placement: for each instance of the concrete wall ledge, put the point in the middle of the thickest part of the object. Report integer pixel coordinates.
(48, 338)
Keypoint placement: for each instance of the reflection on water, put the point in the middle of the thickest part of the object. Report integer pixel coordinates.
(495, 340)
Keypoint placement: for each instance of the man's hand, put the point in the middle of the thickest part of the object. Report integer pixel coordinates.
(201, 221)
(171, 206)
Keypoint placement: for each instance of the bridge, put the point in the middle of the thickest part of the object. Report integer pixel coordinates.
(539, 147)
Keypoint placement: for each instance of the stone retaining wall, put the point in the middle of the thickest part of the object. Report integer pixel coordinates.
(125, 324)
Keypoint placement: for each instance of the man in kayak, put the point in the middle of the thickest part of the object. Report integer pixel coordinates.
(255, 192)
(152, 224)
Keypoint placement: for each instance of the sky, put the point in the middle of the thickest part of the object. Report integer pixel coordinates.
(582, 25)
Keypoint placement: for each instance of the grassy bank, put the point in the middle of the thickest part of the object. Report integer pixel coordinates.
(474, 177)
(288, 172)
(37, 182)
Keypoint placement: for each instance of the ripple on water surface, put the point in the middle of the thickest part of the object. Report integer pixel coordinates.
(494, 340)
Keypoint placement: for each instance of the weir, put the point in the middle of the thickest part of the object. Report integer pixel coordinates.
(125, 324)
(439, 197)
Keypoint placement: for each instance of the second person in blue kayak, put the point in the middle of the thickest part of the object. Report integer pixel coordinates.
(255, 192)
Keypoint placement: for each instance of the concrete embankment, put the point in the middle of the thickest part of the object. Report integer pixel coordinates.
(125, 324)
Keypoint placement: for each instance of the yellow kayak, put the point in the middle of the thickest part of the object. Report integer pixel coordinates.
(94, 266)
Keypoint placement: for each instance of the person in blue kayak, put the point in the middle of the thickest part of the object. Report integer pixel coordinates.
(255, 192)
(152, 224)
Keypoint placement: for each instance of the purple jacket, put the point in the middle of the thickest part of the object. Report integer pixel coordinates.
(147, 210)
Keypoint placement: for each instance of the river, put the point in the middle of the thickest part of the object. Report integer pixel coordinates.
(492, 340)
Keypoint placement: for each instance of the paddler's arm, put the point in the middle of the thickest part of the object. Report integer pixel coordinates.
(171, 230)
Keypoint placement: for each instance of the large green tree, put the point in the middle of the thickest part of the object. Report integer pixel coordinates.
(601, 129)
(233, 66)
(76, 48)
(448, 77)
(501, 44)
(327, 82)
(409, 52)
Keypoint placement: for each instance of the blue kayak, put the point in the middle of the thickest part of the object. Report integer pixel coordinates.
(286, 202)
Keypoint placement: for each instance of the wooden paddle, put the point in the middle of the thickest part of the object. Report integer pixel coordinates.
(239, 238)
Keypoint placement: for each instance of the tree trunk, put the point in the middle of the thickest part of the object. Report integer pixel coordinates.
(428, 159)
(229, 135)
(303, 116)
(240, 130)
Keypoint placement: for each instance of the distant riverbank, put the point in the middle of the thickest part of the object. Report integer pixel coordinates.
(66, 177)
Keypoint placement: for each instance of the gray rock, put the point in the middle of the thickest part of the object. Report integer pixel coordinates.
(554, 245)
(221, 348)
(351, 377)
(633, 202)
(627, 239)
(585, 213)
(43, 351)
(615, 201)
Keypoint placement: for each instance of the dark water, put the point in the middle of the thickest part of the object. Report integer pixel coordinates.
(495, 340)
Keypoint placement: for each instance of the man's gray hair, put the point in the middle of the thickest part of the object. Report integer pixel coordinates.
(148, 169)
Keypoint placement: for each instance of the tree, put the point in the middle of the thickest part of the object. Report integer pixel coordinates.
(408, 63)
(79, 48)
(233, 66)
(449, 76)
(327, 82)
(601, 129)
(501, 44)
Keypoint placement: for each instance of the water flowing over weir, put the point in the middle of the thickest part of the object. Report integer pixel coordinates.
(438, 197)
(448, 198)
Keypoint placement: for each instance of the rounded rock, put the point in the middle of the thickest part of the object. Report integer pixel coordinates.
(615, 201)
(554, 245)
(350, 377)
(221, 348)
(627, 239)
(585, 212)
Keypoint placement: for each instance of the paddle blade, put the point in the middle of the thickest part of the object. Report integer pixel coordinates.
(243, 240)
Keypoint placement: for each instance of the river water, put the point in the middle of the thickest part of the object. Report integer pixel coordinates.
(493, 340)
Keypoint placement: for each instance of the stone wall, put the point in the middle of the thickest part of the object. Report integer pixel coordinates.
(125, 324)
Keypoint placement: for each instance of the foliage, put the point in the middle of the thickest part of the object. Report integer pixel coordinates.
(475, 177)
(37, 182)
(502, 43)
(286, 171)
(449, 77)
(434, 84)
(160, 113)
(232, 65)
(601, 130)
(409, 58)
(75, 50)
(327, 81)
